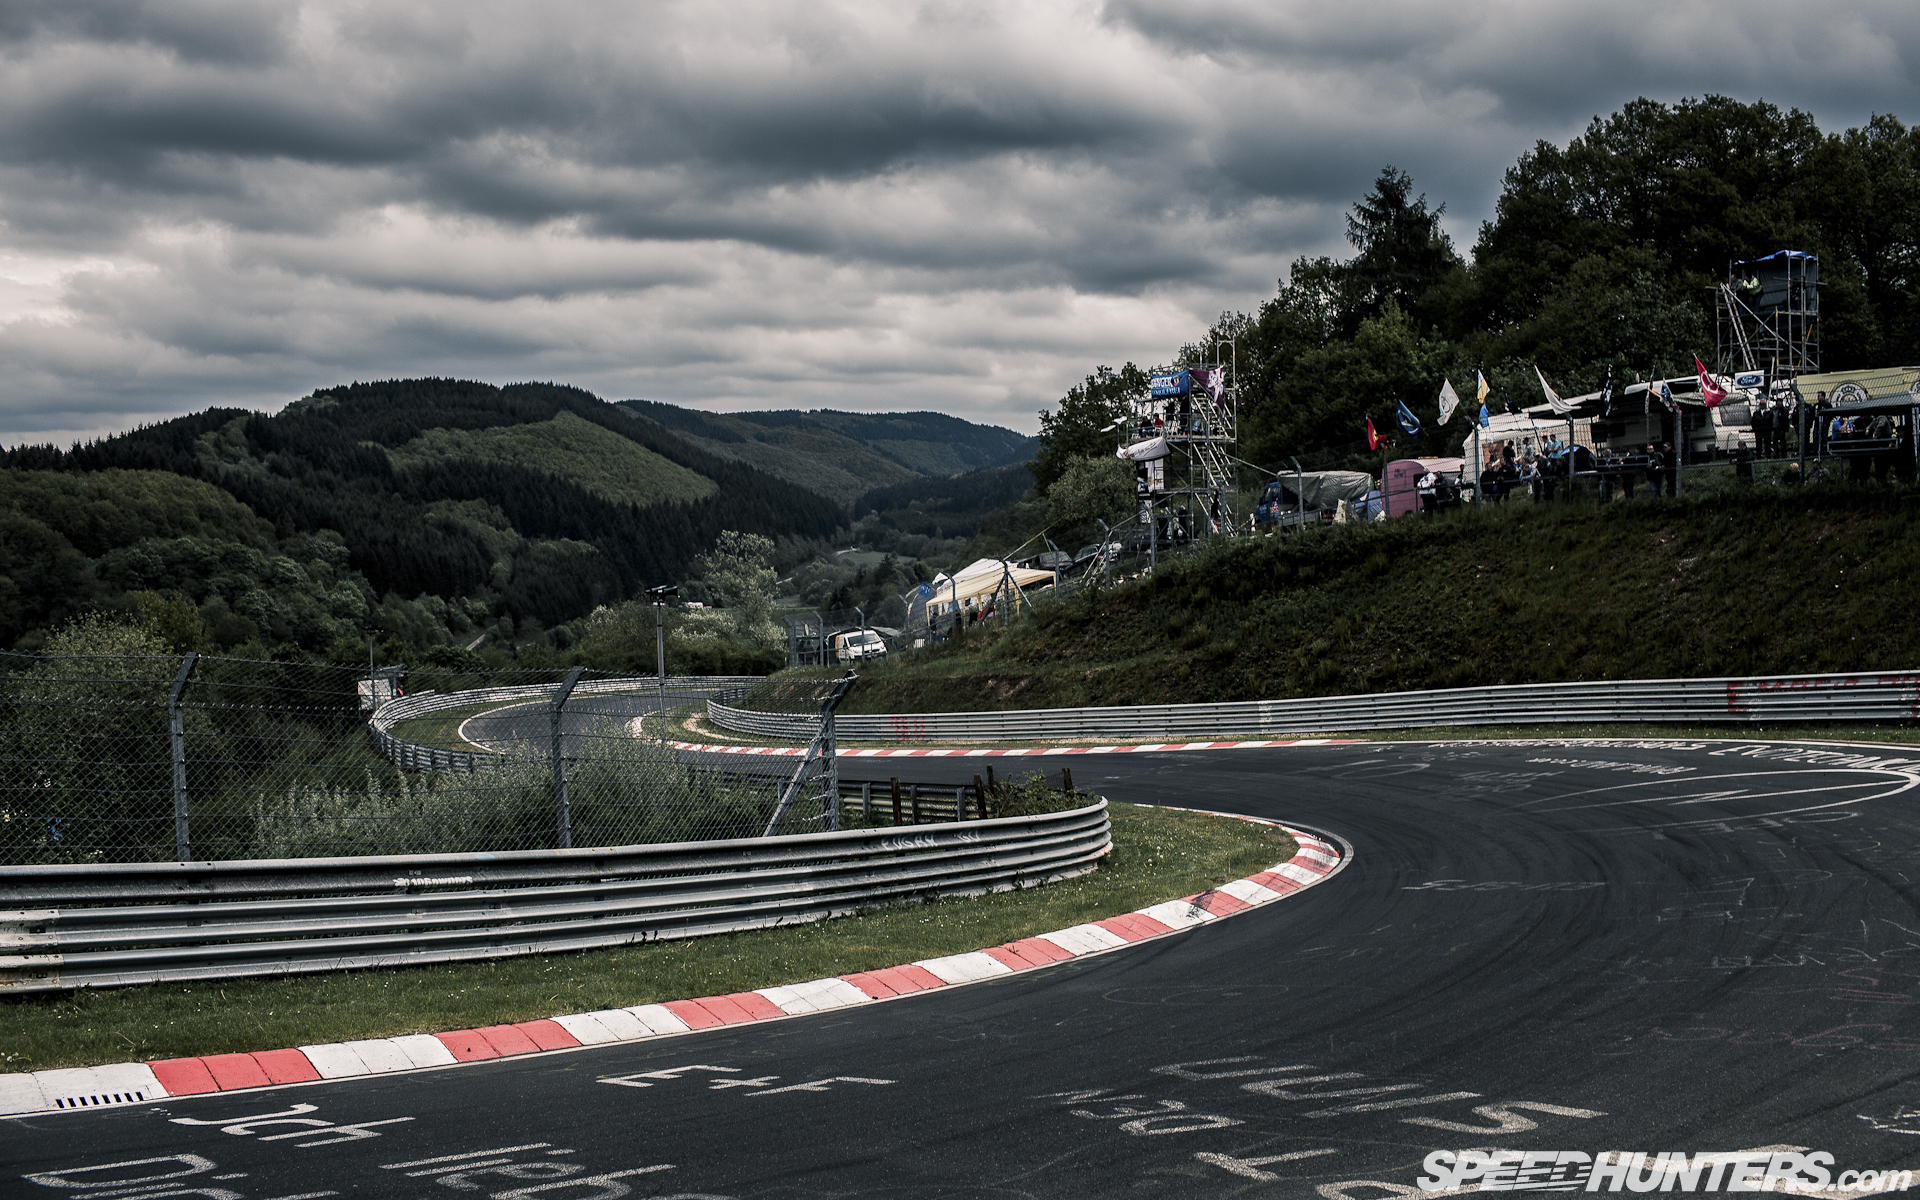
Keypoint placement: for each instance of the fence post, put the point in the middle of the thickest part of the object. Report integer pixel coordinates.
(182, 844)
(866, 801)
(832, 773)
(980, 790)
(563, 818)
(820, 754)
(896, 800)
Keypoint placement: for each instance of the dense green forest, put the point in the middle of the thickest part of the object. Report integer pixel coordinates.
(433, 514)
(1599, 256)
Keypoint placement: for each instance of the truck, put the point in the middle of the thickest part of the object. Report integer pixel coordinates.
(1319, 497)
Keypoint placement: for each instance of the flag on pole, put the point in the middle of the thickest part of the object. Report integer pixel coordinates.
(1710, 391)
(1408, 421)
(1213, 380)
(1485, 420)
(1484, 390)
(1373, 439)
(1666, 397)
(1606, 395)
(1449, 400)
(1560, 406)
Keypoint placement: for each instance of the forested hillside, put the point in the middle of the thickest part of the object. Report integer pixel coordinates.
(427, 511)
(844, 455)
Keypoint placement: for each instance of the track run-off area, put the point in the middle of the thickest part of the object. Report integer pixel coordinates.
(1563, 947)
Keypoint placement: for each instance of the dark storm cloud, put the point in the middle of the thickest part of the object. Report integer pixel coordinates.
(194, 31)
(746, 203)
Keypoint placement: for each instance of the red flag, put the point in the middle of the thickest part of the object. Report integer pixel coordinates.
(1710, 391)
(1373, 439)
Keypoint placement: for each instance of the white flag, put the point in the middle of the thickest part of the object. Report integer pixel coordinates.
(1560, 406)
(1449, 400)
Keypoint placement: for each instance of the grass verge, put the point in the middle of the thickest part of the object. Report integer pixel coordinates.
(1158, 855)
(443, 728)
(1747, 581)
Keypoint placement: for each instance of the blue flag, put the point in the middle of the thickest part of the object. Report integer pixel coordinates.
(1408, 421)
(1485, 420)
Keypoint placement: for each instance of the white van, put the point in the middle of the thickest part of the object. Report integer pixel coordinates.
(857, 644)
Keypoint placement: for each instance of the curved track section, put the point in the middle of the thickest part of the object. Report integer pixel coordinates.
(527, 724)
(1541, 946)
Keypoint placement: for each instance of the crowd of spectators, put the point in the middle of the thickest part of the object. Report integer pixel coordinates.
(1541, 472)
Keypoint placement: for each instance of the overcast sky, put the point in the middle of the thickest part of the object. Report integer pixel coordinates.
(733, 204)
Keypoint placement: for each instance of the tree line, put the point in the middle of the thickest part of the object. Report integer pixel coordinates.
(1599, 257)
(539, 546)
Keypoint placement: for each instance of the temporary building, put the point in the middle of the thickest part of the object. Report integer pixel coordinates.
(1318, 492)
(981, 579)
(1403, 480)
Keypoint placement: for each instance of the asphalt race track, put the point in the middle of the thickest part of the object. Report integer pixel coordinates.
(1558, 946)
(588, 714)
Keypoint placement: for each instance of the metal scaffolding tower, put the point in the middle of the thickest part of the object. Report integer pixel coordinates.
(1182, 437)
(1767, 315)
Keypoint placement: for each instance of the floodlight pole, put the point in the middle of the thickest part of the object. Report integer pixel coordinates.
(660, 595)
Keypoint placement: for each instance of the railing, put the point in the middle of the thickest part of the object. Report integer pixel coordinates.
(101, 925)
(1868, 696)
(873, 798)
(410, 756)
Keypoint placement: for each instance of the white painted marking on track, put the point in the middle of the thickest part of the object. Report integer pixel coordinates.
(649, 1078)
(471, 1154)
(1250, 1167)
(822, 1085)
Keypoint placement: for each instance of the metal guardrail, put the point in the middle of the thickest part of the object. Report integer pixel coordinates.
(101, 925)
(410, 756)
(919, 802)
(1869, 696)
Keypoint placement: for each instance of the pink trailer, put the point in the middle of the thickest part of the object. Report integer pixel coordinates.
(1403, 481)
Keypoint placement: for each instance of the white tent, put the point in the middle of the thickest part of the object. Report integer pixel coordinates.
(981, 579)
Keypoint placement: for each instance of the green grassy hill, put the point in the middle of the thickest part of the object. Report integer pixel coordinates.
(1754, 582)
(844, 455)
(599, 460)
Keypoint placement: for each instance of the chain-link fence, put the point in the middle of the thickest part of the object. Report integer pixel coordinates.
(194, 758)
(810, 798)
